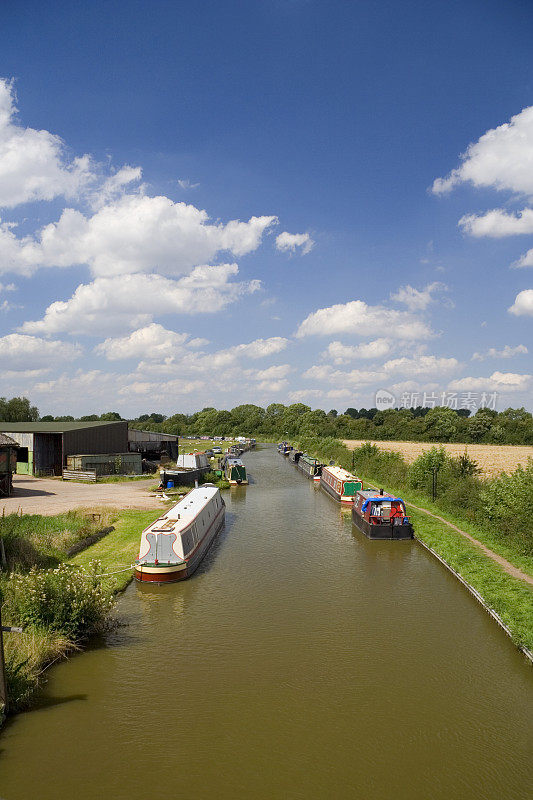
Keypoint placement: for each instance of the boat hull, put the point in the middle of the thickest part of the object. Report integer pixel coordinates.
(344, 500)
(171, 573)
(384, 531)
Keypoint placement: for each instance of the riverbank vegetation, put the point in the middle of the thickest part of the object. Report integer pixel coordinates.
(493, 511)
(60, 602)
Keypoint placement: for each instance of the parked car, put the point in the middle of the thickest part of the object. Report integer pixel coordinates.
(217, 450)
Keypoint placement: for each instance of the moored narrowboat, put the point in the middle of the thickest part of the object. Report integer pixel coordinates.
(172, 547)
(311, 467)
(340, 484)
(294, 456)
(381, 516)
(235, 471)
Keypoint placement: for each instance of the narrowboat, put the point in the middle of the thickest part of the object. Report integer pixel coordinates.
(381, 516)
(340, 484)
(235, 471)
(173, 546)
(294, 456)
(311, 467)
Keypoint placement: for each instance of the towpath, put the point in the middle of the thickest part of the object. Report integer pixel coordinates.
(506, 565)
(47, 496)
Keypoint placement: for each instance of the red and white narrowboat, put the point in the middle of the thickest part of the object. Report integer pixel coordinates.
(340, 484)
(173, 546)
(381, 516)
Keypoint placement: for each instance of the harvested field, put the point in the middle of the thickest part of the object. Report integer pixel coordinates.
(492, 459)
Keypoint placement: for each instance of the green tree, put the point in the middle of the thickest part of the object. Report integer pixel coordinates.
(17, 409)
(110, 416)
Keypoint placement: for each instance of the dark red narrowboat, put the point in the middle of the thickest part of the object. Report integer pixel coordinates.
(381, 516)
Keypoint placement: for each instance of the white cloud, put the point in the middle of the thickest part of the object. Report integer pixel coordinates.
(184, 183)
(152, 341)
(132, 234)
(19, 352)
(339, 394)
(418, 299)
(273, 385)
(341, 353)
(273, 373)
(501, 159)
(34, 165)
(506, 352)
(523, 304)
(300, 395)
(326, 373)
(422, 365)
(288, 242)
(356, 317)
(524, 261)
(497, 382)
(113, 186)
(129, 301)
(498, 223)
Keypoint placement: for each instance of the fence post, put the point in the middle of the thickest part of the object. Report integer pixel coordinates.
(3, 683)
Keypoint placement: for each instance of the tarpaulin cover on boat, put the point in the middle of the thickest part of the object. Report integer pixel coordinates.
(379, 498)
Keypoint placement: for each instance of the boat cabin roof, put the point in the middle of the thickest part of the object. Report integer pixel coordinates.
(189, 506)
(342, 474)
(233, 461)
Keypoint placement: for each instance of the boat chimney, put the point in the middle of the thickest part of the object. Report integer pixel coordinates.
(196, 483)
(381, 491)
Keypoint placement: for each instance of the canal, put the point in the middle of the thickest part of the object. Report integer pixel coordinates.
(301, 661)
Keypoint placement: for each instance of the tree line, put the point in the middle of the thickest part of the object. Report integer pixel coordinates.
(277, 421)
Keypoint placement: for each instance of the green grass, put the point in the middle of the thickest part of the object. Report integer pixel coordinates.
(119, 549)
(511, 598)
(34, 540)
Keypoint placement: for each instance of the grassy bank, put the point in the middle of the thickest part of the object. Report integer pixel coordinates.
(60, 602)
(510, 597)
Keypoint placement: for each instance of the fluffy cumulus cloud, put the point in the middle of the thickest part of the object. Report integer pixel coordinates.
(358, 318)
(422, 365)
(152, 341)
(290, 242)
(130, 301)
(524, 261)
(508, 351)
(497, 382)
(133, 234)
(523, 304)
(498, 223)
(341, 353)
(19, 352)
(418, 299)
(35, 165)
(340, 379)
(501, 159)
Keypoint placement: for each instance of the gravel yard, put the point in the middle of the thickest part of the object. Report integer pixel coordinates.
(46, 496)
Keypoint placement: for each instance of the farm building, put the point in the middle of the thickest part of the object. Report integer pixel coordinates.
(8, 464)
(107, 464)
(43, 447)
(153, 444)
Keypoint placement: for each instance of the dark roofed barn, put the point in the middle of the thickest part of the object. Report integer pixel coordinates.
(43, 447)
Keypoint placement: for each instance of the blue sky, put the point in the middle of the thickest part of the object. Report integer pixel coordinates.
(306, 201)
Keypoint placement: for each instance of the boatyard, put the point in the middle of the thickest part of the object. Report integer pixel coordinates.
(259, 612)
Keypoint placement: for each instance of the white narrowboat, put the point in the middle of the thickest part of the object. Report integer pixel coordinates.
(173, 546)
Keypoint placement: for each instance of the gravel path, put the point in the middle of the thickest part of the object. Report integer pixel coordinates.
(46, 496)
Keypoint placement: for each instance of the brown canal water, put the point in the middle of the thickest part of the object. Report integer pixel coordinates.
(301, 661)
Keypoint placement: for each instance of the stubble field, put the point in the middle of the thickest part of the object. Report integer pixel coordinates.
(492, 459)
